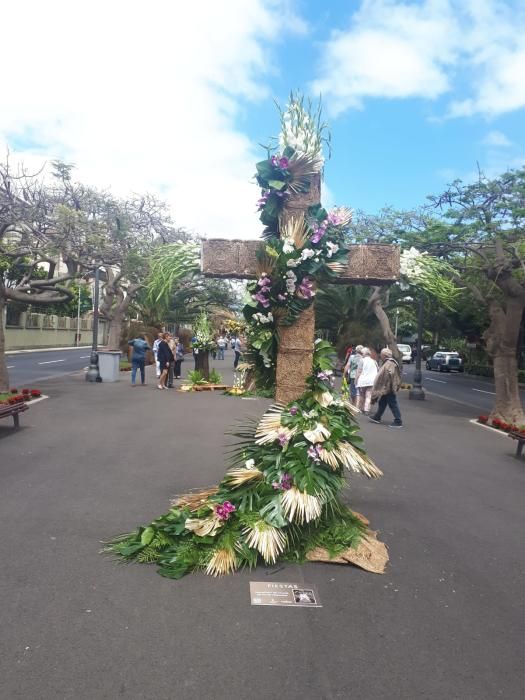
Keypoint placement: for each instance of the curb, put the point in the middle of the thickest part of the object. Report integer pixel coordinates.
(21, 352)
(488, 427)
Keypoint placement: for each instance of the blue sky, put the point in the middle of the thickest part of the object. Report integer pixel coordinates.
(173, 98)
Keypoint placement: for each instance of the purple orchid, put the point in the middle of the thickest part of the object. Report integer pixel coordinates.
(262, 299)
(224, 510)
(284, 484)
(313, 453)
(261, 203)
(294, 410)
(264, 281)
(284, 163)
(283, 438)
(306, 288)
(334, 218)
(281, 297)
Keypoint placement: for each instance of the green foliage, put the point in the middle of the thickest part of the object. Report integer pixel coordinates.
(215, 377)
(169, 266)
(195, 376)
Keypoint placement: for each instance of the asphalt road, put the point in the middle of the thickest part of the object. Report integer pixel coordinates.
(471, 391)
(445, 621)
(27, 368)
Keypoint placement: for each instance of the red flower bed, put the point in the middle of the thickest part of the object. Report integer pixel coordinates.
(19, 398)
(501, 425)
(13, 391)
(35, 393)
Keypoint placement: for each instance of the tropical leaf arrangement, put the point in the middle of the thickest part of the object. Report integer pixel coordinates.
(280, 498)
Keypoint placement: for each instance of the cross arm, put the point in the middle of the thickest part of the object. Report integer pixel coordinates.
(371, 263)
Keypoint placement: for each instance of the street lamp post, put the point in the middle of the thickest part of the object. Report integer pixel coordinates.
(417, 392)
(93, 373)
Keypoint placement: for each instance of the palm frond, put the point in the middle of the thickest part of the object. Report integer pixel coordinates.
(268, 540)
(303, 167)
(238, 476)
(222, 562)
(194, 501)
(203, 526)
(299, 506)
(351, 458)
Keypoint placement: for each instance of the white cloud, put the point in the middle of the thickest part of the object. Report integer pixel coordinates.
(472, 49)
(497, 139)
(144, 96)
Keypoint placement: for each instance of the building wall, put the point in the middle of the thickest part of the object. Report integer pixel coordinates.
(31, 331)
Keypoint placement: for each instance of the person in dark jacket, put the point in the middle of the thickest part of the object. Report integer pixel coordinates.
(386, 386)
(165, 357)
(138, 358)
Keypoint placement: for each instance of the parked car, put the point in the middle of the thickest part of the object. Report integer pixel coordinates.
(406, 352)
(445, 361)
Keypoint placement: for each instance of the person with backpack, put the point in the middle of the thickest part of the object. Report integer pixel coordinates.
(352, 366)
(386, 386)
(138, 358)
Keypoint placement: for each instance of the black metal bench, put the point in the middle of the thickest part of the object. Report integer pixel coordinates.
(13, 410)
(521, 441)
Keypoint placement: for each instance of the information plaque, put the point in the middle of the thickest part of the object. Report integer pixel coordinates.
(302, 595)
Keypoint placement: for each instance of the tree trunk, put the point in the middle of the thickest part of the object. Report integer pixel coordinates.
(202, 363)
(115, 330)
(384, 322)
(501, 338)
(4, 374)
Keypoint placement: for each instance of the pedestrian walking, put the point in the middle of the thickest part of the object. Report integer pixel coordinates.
(365, 379)
(156, 344)
(237, 348)
(385, 389)
(353, 365)
(138, 358)
(165, 357)
(179, 357)
(221, 345)
(171, 369)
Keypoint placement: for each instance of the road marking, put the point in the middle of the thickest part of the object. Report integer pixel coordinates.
(51, 362)
(84, 357)
(10, 366)
(481, 391)
(448, 398)
(431, 379)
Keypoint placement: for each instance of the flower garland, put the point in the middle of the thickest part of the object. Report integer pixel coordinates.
(308, 252)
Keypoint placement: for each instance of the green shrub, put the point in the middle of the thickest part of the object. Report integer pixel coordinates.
(196, 377)
(215, 377)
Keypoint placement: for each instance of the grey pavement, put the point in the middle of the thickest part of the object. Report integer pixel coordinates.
(445, 621)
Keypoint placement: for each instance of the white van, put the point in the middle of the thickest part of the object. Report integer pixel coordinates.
(406, 352)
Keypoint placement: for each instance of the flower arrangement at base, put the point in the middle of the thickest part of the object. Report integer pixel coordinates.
(280, 499)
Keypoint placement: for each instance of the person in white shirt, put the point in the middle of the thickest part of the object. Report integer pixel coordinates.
(156, 344)
(365, 379)
(221, 345)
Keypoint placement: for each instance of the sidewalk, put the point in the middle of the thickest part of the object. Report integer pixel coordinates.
(99, 459)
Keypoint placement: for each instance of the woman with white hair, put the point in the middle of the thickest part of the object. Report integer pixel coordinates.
(365, 380)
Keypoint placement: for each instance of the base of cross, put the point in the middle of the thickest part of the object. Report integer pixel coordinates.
(369, 553)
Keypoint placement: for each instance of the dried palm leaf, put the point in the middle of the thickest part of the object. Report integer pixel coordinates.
(352, 459)
(241, 475)
(328, 457)
(319, 434)
(271, 420)
(277, 434)
(350, 407)
(302, 167)
(203, 526)
(299, 506)
(336, 267)
(222, 562)
(294, 229)
(269, 541)
(344, 215)
(194, 501)
(265, 263)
